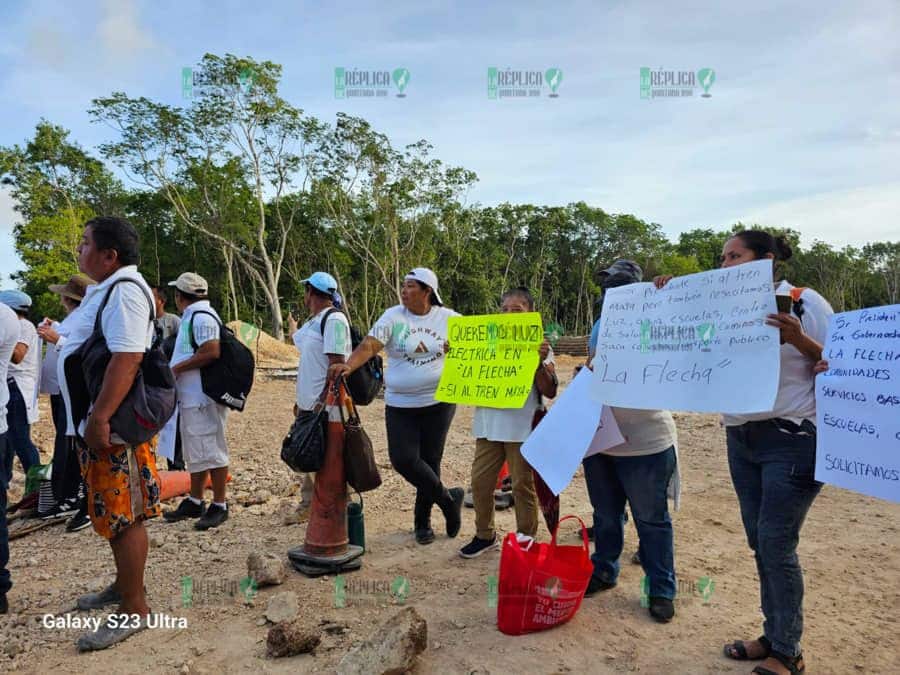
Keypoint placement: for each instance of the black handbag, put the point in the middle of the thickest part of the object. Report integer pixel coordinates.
(303, 449)
(359, 457)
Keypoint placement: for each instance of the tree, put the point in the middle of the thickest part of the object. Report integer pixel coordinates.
(239, 149)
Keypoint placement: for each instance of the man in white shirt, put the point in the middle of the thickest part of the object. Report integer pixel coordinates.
(122, 483)
(22, 380)
(319, 346)
(9, 337)
(203, 420)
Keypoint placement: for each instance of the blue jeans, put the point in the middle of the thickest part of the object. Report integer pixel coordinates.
(642, 481)
(773, 476)
(5, 470)
(19, 432)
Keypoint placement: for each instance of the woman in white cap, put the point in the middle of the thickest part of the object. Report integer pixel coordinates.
(414, 336)
(22, 379)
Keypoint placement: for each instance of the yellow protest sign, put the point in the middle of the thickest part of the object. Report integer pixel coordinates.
(492, 359)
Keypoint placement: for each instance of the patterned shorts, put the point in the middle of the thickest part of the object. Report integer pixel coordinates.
(122, 486)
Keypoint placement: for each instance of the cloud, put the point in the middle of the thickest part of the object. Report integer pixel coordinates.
(120, 31)
(843, 217)
(9, 261)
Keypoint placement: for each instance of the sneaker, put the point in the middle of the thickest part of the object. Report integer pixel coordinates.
(453, 511)
(596, 584)
(107, 635)
(79, 521)
(215, 515)
(478, 546)
(108, 596)
(186, 509)
(503, 500)
(661, 609)
(424, 536)
(67, 507)
(469, 499)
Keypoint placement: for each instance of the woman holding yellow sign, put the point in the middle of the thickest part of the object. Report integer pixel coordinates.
(499, 434)
(414, 336)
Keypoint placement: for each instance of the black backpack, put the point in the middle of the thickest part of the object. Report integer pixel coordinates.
(149, 403)
(365, 382)
(229, 379)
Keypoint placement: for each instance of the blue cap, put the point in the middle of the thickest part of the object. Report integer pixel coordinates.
(16, 300)
(322, 281)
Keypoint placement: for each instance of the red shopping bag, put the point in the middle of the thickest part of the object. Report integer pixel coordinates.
(542, 585)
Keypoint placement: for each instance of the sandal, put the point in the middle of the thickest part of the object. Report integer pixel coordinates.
(794, 664)
(737, 651)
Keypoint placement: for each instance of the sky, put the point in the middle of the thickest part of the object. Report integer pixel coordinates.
(801, 128)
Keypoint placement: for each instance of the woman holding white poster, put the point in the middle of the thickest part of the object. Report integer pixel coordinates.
(772, 456)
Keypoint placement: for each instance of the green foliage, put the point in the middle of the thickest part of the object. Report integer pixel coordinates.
(253, 194)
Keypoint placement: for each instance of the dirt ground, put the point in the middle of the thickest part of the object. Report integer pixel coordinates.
(850, 550)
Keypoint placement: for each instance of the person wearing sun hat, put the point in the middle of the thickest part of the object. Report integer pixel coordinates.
(22, 378)
(414, 336)
(68, 490)
(322, 341)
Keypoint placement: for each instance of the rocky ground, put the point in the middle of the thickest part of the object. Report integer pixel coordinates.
(850, 550)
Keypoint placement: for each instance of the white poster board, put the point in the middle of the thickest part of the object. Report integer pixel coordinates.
(858, 403)
(698, 344)
(558, 444)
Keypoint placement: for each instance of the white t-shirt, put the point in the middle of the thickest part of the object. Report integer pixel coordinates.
(205, 328)
(314, 350)
(510, 425)
(49, 379)
(27, 372)
(126, 323)
(415, 349)
(9, 337)
(796, 400)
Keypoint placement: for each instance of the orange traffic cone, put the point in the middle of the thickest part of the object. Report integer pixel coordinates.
(504, 472)
(326, 548)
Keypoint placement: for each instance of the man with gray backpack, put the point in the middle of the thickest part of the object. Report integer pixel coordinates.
(205, 452)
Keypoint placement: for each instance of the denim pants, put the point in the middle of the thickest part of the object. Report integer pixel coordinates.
(19, 433)
(6, 456)
(773, 476)
(641, 480)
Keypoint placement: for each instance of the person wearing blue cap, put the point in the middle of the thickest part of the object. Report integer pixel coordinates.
(322, 341)
(22, 380)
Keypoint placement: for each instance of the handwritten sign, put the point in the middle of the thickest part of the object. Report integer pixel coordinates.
(492, 359)
(858, 403)
(578, 420)
(700, 343)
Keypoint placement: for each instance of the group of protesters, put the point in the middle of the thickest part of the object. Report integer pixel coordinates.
(97, 475)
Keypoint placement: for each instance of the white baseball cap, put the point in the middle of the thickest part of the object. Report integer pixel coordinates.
(191, 283)
(427, 277)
